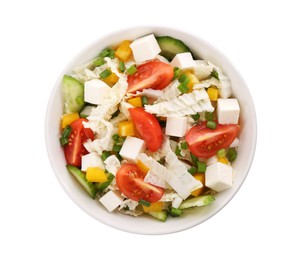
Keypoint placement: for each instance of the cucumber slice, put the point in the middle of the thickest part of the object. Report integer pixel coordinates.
(170, 46)
(86, 111)
(161, 215)
(73, 94)
(100, 186)
(197, 202)
(80, 176)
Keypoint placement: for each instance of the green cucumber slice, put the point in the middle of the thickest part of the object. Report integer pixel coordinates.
(197, 202)
(170, 46)
(80, 176)
(73, 94)
(161, 215)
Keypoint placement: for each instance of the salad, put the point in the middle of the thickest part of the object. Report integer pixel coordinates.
(148, 128)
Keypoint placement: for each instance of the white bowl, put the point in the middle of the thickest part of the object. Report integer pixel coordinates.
(146, 224)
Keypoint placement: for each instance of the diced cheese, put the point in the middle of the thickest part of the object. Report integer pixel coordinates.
(131, 148)
(212, 160)
(219, 176)
(235, 143)
(228, 111)
(95, 91)
(111, 200)
(145, 48)
(91, 160)
(112, 164)
(183, 61)
(176, 126)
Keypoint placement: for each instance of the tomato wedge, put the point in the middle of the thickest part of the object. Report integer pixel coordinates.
(74, 149)
(152, 74)
(204, 142)
(129, 180)
(148, 128)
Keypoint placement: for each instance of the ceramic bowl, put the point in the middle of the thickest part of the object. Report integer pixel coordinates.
(146, 224)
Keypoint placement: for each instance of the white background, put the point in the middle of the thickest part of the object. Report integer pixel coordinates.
(37, 218)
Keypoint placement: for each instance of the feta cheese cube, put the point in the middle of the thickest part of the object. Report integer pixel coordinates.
(176, 126)
(219, 176)
(95, 91)
(131, 148)
(91, 160)
(212, 160)
(145, 48)
(228, 111)
(183, 61)
(111, 200)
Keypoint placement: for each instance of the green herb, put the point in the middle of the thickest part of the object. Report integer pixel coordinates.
(184, 79)
(100, 186)
(144, 203)
(107, 53)
(209, 116)
(99, 62)
(131, 70)
(184, 145)
(221, 153)
(122, 66)
(64, 139)
(177, 72)
(192, 170)
(214, 74)
(211, 124)
(178, 151)
(105, 155)
(232, 154)
(195, 117)
(175, 212)
(116, 148)
(115, 137)
(144, 100)
(105, 74)
(201, 166)
(118, 157)
(194, 158)
(183, 88)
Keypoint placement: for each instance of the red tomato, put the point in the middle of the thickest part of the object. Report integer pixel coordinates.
(148, 128)
(74, 149)
(129, 180)
(204, 142)
(152, 74)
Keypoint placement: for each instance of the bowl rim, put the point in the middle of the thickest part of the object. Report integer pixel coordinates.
(47, 133)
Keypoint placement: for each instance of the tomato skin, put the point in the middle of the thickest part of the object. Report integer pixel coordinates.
(152, 74)
(204, 142)
(74, 150)
(129, 179)
(148, 128)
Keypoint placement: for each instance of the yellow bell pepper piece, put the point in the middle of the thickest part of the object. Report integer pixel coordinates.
(67, 119)
(111, 79)
(200, 177)
(142, 167)
(126, 128)
(155, 206)
(223, 160)
(213, 93)
(136, 102)
(124, 52)
(192, 80)
(96, 174)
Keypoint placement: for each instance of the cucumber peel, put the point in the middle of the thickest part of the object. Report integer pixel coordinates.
(160, 215)
(197, 201)
(80, 176)
(170, 46)
(73, 94)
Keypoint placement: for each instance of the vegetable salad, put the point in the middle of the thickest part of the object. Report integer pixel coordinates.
(148, 128)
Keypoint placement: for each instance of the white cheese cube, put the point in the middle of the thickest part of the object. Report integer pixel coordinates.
(183, 61)
(176, 126)
(111, 200)
(95, 91)
(212, 160)
(219, 176)
(145, 48)
(91, 160)
(131, 148)
(112, 164)
(235, 143)
(228, 111)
